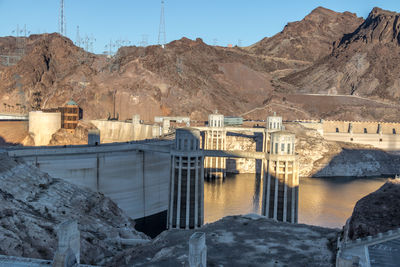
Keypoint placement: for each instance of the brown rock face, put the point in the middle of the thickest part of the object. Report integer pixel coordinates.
(363, 63)
(77, 137)
(186, 78)
(190, 78)
(376, 213)
(311, 38)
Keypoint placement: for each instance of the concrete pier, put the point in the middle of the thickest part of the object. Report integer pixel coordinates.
(94, 137)
(198, 250)
(215, 139)
(68, 251)
(186, 198)
(281, 179)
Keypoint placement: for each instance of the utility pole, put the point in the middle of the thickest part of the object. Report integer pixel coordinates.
(161, 31)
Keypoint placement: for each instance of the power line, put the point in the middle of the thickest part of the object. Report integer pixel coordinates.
(161, 31)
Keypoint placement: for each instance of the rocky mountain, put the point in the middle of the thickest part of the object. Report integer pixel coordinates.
(309, 39)
(362, 63)
(33, 204)
(189, 77)
(376, 213)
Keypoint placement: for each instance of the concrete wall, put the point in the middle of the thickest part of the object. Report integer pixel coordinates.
(137, 180)
(390, 142)
(358, 126)
(13, 117)
(119, 131)
(43, 125)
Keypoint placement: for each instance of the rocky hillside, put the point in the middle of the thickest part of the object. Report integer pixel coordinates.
(191, 78)
(186, 78)
(362, 63)
(32, 205)
(248, 240)
(311, 38)
(376, 213)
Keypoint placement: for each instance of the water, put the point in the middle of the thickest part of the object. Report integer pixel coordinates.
(325, 202)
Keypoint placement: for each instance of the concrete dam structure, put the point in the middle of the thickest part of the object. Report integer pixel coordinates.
(147, 178)
(121, 131)
(134, 175)
(383, 135)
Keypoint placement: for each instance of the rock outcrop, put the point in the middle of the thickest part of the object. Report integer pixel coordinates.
(78, 137)
(311, 38)
(362, 63)
(376, 213)
(33, 204)
(248, 240)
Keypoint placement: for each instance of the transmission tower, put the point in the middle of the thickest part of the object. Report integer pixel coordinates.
(78, 37)
(144, 40)
(161, 32)
(20, 39)
(62, 24)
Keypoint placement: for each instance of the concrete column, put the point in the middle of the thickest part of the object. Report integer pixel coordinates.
(217, 159)
(285, 192)
(224, 159)
(296, 186)
(293, 193)
(276, 191)
(266, 188)
(94, 137)
(178, 205)
(196, 192)
(172, 193)
(198, 250)
(68, 250)
(188, 192)
(202, 195)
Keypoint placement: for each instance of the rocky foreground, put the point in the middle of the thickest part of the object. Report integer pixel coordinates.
(33, 204)
(247, 240)
(376, 213)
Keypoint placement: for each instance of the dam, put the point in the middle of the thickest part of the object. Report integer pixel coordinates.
(137, 175)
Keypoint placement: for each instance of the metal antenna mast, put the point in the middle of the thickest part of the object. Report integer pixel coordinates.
(62, 24)
(161, 32)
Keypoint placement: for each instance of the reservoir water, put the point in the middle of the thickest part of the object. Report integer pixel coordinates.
(326, 202)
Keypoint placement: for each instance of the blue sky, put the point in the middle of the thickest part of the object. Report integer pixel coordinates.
(223, 20)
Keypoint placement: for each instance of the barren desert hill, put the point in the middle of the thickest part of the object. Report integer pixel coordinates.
(187, 77)
(364, 62)
(309, 39)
